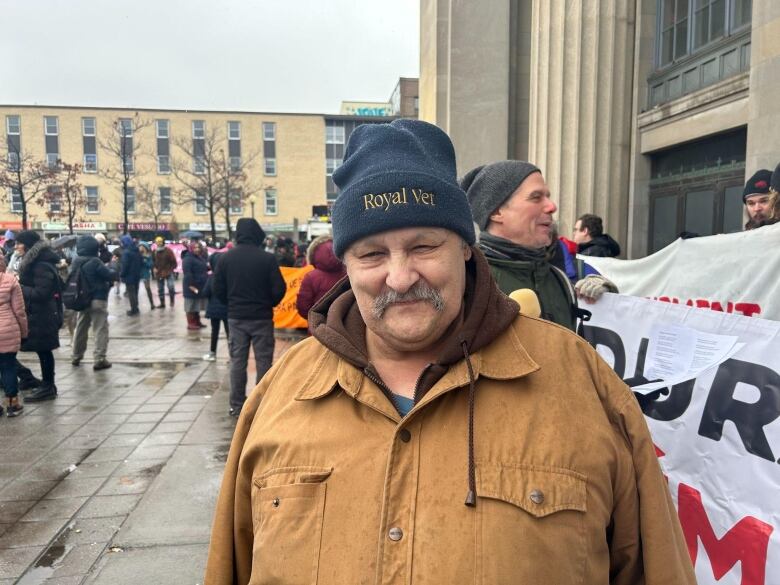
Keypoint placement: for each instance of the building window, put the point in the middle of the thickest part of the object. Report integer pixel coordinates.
(673, 40)
(90, 163)
(162, 128)
(709, 21)
(55, 199)
(165, 199)
(131, 200)
(235, 164)
(129, 164)
(126, 127)
(52, 159)
(741, 13)
(163, 164)
(88, 127)
(236, 206)
(16, 200)
(334, 134)
(270, 202)
(50, 126)
(13, 125)
(331, 164)
(269, 130)
(234, 130)
(269, 169)
(93, 201)
(13, 161)
(199, 165)
(200, 203)
(198, 129)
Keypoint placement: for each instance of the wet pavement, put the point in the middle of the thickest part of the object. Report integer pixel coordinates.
(115, 481)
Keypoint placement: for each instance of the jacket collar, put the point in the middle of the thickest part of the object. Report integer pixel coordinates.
(504, 359)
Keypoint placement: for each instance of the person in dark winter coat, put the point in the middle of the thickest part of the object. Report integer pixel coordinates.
(196, 273)
(132, 263)
(99, 279)
(328, 270)
(591, 239)
(249, 281)
(216, 310)
(41, 289)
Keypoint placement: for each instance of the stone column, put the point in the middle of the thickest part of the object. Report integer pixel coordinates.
(582, 57)
(763, 139)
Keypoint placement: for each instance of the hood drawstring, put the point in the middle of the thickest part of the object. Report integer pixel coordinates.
(471, 496)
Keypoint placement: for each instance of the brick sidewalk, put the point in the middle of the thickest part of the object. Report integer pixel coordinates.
(88, 478)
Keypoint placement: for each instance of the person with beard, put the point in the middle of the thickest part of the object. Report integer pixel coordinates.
(429, 433)
(512, 206)
(755, 196)
(41, 286)
(591, 239)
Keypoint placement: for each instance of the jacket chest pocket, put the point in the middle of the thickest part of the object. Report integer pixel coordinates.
(531, 526)
(287, 510)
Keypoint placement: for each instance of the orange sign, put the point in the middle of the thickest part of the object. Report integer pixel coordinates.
(285, 313)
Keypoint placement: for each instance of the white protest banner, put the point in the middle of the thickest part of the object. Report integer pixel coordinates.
(717, 436)
(734, 273)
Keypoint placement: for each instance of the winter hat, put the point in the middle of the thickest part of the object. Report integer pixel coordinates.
(28, 237)
(126, 241)
(100, 238)
(774, 181)
(248, 231)
(398, 175)
(159, 240)
(488, 186)
(758, 184)
(9, 235)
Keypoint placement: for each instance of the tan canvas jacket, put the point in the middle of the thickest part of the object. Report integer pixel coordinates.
(326, 484)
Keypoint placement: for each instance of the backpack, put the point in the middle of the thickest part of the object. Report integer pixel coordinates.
(59, 313)
(77, 293)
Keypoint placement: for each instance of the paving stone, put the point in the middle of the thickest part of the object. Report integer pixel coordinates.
(14, 562)
(94, 469)
(152, 452)
(106, 506)
(49, 509)
(12, 511)
(26, 490)
(109, 454)
(180, 416)
(173, 427)
(134, 428)
(27, 534)
(145, 417)
(76, 486)
(124, 440)
(160, 438)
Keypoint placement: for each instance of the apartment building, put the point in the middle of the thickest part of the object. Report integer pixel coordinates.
(277, 167)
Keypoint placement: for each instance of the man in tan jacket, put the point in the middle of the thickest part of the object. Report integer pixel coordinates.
(427, 433)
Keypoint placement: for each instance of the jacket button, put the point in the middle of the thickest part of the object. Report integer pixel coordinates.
(395, 534)
(405, 435)
(275, 502)
(537, 497)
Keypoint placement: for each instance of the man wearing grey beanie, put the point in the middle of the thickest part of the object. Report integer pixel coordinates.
(511, 205)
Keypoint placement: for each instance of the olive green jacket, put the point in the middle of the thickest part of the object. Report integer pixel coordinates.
(326, 483)
(556, 295)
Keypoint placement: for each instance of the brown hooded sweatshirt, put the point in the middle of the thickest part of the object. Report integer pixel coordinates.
(326, 483)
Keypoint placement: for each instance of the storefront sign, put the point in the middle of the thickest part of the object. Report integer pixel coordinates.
(78, 226)
(144, 227)
(10, 225)
(206, 227)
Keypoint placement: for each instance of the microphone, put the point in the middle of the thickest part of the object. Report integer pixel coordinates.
(528, 301)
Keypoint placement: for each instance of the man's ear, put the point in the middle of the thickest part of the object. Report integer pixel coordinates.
(497, 216)
(467, 253)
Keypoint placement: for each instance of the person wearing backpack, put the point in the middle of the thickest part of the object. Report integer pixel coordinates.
(93, 280)
(42, 292)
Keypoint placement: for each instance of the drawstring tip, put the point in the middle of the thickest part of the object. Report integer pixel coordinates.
(471, 499)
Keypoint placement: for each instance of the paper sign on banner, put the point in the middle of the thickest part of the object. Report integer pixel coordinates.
(717, 435)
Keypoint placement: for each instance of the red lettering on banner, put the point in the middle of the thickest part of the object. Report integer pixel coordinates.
(747, 309)
(746, 542)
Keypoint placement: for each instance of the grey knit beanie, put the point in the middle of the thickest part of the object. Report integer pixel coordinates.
(489, 186)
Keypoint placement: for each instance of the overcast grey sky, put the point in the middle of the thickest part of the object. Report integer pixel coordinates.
(258, 55)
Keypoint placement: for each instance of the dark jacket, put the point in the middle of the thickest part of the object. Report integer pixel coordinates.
(215, 309)
(248, 279)
(97, 274)
(41, 283)
(196, 273)
(602, 245)
(328, 270)
(131, 262)
(103, 253)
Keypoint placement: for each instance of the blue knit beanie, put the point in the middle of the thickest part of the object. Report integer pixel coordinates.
(398, 175)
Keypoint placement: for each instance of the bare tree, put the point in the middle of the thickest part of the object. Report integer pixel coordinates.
(151, 204)
(26, 176)
(198, 170)
(67, 197)
(122, 145)
(234, 183)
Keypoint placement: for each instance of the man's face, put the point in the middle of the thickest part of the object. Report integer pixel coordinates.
(19, 248)
(526, 217)
(581, 235)
(408, 284)
(757, 206)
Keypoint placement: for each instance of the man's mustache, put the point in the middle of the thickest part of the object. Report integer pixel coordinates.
(420, 291)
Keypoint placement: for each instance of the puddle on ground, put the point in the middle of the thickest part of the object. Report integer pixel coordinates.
(221, 452)
(49, 561)
(203, 389)
(152, 470)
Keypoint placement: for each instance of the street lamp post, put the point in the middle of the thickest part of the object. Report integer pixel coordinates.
(252, 198)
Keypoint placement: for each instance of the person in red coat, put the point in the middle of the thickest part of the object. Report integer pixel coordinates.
(328, 270)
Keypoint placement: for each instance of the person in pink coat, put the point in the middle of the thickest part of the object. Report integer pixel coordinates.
(13, 328)
(328, 270)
